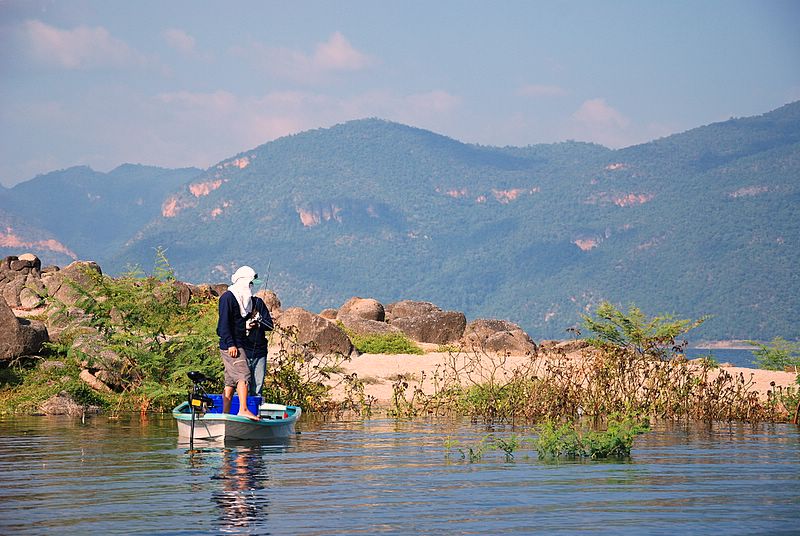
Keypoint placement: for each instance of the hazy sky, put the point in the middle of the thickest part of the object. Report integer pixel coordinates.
(189, 83)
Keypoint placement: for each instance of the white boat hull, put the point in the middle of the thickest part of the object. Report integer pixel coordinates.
(221, 426)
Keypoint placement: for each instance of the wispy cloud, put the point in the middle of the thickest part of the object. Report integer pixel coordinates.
(82, 47)
(595, 120)
(539, 90)
(597, 112)
(179, 40)
(335, 55)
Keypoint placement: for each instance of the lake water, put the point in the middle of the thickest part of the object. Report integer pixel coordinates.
(734, 356)
(130, 476)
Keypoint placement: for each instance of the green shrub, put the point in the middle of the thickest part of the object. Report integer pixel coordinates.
(568, 440)
(633, 331)
(777, 355)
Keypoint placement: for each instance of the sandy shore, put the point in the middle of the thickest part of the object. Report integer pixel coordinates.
(380, 371)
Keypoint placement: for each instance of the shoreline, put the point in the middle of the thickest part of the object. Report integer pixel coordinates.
(379, 373)
(732, 344)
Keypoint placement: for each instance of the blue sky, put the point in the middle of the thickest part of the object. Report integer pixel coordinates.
(189, 83)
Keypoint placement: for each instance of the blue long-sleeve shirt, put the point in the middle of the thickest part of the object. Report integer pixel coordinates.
(232, 326)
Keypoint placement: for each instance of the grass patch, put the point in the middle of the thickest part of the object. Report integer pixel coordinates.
(385, 343)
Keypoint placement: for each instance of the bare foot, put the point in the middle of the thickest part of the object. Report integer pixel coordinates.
(248, 415)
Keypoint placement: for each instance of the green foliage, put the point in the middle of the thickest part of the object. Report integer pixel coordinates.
(145, 336)
(28, 384)
(569, 440)
(297, 376)
(605, 381)
(779, 354)
(654, 337)
(382, 343)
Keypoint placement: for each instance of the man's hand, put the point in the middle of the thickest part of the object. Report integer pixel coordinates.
(233, 351)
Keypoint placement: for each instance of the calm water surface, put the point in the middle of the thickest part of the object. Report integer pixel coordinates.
(131, 476)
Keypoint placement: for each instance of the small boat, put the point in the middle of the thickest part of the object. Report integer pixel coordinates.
(277, 422)
(201, 417)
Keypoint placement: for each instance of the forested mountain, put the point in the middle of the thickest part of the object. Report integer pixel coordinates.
(81, 213)
(703, 222)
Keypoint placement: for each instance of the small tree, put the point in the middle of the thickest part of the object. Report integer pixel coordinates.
(777, 355)
(652, 337)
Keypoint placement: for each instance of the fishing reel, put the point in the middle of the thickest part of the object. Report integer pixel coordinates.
(253, 322)
(199, 401)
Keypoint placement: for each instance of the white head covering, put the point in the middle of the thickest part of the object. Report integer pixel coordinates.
(241, 288)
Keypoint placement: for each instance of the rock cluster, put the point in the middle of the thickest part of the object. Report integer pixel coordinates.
(28, 290)
(422, 322)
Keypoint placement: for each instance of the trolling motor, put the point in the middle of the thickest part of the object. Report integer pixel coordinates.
(199, 401)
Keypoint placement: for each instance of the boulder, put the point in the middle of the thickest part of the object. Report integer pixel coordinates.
(12, 290)
(425, 322)
(366, 308)
(61, 404)
(329, 313)
(92, 381)
(29, 299)
(408, 308)
(218, 289)
(183, 293)
(31, 261)
(272, 302)
(364, 326)
(81, 273)
(321, 335)
(499, 336)
(19, 336)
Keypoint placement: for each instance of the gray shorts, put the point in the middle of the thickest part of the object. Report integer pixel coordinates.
(236, 368)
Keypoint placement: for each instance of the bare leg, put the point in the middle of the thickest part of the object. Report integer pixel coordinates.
(241, 390)
(227, 396)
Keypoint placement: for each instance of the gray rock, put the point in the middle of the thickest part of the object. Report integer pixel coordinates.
(364, 326)
(272, 302)
(19, 336)
(32, 259)
(12, 289)
(498, 336)
(408, 308)
(436, 326)
(29, 299)
(61, 404)
(366, 308)
(320, 334)
(329, 313)
(80, 273)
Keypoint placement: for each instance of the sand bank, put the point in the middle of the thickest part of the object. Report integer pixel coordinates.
(380, 371)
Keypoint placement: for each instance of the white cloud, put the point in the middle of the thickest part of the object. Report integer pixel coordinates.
(79, 48)
(597, 113)
(595, 120)
(179, 40)
(539, 90)
(335, 55)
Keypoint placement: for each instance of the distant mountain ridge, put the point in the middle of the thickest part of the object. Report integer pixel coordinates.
(703, 222)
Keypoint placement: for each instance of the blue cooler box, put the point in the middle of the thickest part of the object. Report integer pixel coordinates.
(252, 404)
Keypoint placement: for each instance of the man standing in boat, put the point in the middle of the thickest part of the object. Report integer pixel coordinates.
(243, 322)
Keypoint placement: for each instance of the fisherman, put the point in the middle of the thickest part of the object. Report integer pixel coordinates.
(243, 322)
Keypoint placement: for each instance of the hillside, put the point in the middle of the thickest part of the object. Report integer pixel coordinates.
(81, 213)
(703, 222)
